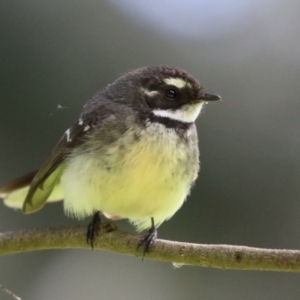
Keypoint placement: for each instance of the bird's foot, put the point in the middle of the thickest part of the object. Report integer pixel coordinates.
(148, 239)
(93, 229)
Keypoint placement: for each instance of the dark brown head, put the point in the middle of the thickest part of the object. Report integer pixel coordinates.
(166, 91)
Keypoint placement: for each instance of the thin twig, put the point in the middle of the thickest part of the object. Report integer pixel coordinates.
(112, 239)
(9, 293)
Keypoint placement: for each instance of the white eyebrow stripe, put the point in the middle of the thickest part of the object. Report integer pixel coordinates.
(149, 93)
(178, 82)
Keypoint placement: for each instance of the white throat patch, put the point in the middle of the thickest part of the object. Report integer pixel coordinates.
(187, 113)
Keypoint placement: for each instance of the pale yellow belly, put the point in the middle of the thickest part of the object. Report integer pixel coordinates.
(147, 179)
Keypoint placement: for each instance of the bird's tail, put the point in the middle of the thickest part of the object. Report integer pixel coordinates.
(15, 192)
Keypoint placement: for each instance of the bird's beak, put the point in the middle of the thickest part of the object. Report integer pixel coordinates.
(209, 96)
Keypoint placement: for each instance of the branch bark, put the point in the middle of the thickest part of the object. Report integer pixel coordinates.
(112, 239)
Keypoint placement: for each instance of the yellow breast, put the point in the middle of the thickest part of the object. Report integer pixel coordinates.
(137, 179)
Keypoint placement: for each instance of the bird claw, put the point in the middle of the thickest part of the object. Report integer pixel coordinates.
(148, 239)
(93, 229)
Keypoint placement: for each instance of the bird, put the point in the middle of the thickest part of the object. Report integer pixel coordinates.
(132, 154)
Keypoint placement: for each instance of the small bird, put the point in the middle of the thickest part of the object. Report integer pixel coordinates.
(133, 154)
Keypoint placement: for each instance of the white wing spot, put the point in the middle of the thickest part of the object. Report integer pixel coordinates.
(80, 122)
(86, 128)
(67, 133)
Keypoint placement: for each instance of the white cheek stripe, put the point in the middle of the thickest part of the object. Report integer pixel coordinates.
(187, 113)
(178, 82)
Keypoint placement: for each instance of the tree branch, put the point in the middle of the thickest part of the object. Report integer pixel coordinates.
(112, 239)
(8, 292)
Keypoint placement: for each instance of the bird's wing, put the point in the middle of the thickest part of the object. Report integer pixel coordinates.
(49, 174)
(100, 114)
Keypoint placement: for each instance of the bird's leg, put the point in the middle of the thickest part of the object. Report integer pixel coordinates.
(149, 238)
(93, 229)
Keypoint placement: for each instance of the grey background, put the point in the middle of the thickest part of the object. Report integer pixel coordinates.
(62, 52)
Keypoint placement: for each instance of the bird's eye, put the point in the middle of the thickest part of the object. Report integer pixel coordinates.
(171, 94)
